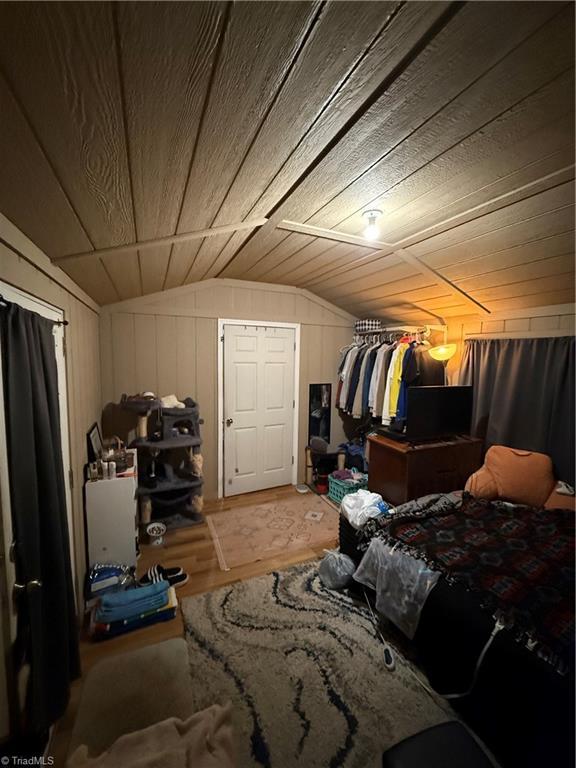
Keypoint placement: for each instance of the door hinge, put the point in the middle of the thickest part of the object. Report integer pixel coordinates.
(64, 346)
(71, 478)
(293, 403)
(294, 346)
(292, 460)
(222, 338)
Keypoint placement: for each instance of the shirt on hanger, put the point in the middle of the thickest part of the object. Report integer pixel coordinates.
(358, 397)
(349, 362)
(354, 378)
(393, 383)
(368, 377)
(382, 380)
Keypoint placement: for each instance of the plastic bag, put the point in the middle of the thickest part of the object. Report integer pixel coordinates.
(336, 570)
(360, 506)
(402, 584)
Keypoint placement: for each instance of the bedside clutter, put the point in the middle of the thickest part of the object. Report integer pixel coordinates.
(356, 509)
(119, 604)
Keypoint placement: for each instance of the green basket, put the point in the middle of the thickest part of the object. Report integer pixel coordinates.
(337, 489)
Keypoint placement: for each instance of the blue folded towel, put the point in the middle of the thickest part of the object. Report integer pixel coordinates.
(132, 602)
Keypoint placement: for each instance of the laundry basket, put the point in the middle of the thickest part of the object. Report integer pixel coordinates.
(337, 489)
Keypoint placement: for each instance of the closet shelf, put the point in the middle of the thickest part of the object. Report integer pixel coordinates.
(163, 486)
(182, 441)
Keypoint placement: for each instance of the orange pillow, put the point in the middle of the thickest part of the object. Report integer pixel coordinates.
(523, 477)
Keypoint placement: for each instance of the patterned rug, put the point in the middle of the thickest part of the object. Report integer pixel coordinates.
(304, 670)
(259, 531)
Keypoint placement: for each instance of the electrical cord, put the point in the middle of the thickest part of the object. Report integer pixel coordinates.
(388, 655)
(498, 626)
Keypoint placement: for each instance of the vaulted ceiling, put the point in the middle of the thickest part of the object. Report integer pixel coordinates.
(124, 122)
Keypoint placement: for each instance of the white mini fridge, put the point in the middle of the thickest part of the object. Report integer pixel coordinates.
(112, 520)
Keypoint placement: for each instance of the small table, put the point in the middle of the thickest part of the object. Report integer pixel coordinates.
(401, 471)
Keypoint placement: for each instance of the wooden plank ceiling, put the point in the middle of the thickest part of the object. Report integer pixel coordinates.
(125, 122)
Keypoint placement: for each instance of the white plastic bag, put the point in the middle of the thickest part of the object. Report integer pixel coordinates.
(360, 506)
(336, 570)
(402, 584)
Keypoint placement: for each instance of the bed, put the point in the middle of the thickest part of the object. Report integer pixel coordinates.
(491, 558)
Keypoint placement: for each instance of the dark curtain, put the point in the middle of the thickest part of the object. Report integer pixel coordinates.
(47, 636)
(524, 395)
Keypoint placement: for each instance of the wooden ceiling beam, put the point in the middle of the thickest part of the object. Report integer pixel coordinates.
(441, 280)
(334, 234)
(170, 240)
(387, 249)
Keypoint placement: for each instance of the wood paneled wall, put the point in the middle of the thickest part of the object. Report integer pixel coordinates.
(554, 320)
(24, 266)
(168, 342)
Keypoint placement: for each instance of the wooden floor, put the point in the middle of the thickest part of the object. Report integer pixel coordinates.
(192, 549)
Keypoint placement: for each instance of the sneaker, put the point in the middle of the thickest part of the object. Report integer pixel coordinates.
(174, 576)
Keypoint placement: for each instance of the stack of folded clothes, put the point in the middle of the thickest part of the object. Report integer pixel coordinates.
(121, 612)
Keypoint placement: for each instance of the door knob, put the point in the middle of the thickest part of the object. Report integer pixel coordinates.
(229, 421)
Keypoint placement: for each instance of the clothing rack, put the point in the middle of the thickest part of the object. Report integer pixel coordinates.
(398, 331)
(379, 365)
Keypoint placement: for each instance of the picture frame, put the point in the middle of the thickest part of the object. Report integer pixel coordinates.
(94, 442)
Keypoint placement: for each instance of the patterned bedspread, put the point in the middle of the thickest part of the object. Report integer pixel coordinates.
(519, 559)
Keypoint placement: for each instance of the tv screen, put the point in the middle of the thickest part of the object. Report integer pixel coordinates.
(438, 412)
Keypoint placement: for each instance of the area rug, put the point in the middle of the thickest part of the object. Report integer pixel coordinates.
(258, 531)
(304, 671)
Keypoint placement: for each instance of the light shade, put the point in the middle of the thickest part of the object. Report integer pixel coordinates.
(372, 231)
(443, 351)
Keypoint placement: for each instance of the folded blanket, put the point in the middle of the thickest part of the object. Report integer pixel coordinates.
(132, 602)
(104, 630)
(203, 741)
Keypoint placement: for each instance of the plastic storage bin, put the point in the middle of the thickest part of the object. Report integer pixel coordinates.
(337, 489)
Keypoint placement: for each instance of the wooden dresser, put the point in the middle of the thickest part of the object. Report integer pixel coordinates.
(400, 472)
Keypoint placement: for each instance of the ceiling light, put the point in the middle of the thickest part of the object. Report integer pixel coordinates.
(372, 231)
(443, 352)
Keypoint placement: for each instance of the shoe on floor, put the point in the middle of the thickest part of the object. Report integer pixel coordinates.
(174, 576)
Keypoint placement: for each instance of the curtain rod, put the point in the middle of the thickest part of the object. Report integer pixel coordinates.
(5, 303)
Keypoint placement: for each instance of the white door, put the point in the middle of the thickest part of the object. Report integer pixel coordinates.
(258, 407)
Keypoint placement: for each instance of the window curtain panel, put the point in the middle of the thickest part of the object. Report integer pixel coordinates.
(524, 395)
(47, 635)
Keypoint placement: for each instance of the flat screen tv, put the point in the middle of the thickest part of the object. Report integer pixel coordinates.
(438, 412)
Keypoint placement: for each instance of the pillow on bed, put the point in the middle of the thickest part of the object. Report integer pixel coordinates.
(523, 477)
(560, 501)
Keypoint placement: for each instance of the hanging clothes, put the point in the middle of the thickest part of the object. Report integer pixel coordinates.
(355, 378)
(368, 378)
(346, 372)
(375, 376)
(357, 411)
(430, 372)
(380, 384)
(393, 383)
(409, 375)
